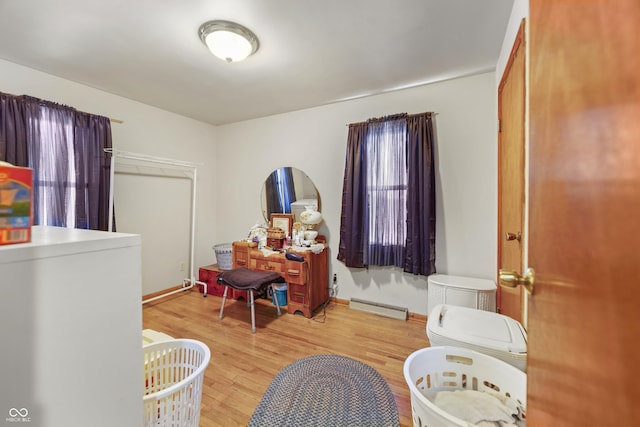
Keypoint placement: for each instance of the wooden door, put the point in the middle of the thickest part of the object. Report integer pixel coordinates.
(584, 213)
(511, 116)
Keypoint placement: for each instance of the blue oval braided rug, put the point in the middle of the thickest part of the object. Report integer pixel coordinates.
(326, 390)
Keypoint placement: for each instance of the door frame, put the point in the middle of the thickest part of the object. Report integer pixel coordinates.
(518, 43)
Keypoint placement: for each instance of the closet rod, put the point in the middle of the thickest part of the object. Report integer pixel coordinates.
(161, 160)
(152, 159)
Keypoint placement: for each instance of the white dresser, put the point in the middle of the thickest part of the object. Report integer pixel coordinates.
(71, 329)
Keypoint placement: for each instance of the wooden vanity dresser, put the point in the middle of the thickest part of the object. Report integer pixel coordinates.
(307, 281)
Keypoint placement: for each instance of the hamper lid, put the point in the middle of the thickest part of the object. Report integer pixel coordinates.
(462, 282)
(478, 327)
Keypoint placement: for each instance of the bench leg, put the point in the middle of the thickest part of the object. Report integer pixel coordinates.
(253, 314)
(224, 298)
(250, 303)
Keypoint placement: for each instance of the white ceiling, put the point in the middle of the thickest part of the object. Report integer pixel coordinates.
(311, 52)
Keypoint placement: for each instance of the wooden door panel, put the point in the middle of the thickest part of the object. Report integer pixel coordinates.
(584, 213)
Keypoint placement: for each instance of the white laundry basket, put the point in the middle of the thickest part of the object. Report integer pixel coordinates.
(173, 374)
(434, 369)
(224, 255)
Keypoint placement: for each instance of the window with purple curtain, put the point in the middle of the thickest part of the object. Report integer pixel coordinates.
(65, 149)
(388, 198)
(386, 183)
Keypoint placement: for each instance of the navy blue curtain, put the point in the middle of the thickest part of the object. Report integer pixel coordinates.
(420, 250)
(65, 149)
(13, 128)
(93, 168)
(353, 221)
(382, 182)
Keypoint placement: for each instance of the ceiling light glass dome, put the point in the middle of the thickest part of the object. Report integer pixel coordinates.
(228, 41)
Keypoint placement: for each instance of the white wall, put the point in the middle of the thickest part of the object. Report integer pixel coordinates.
(519, 11)
(237, 158)
(314, 140)
(164, 224)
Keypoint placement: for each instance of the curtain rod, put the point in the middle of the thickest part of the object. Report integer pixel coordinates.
(110, 119)
(408, 115)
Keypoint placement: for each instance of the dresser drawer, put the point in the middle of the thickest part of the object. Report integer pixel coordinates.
(265, 265)
(297, 293)
(296, 272)
(240, 259)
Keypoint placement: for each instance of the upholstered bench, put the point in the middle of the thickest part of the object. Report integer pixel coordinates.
(242, 278)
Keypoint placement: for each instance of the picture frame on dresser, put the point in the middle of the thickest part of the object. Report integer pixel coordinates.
(283, 221)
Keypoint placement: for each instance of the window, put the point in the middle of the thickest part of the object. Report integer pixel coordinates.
(386, 170)
(65, 149)
(388, 197)
(53, 161)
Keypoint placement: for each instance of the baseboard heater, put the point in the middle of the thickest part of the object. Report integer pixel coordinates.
(385, 310)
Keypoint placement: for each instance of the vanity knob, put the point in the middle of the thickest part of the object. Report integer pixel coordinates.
(513, 236)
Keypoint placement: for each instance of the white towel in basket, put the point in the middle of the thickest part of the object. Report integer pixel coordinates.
(483, 409)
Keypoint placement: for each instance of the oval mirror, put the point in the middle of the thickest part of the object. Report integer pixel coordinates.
(288, 190)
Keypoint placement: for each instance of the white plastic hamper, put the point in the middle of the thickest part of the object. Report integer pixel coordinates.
(434, 369)
(173, 374)
(462, 291)
(490, 333)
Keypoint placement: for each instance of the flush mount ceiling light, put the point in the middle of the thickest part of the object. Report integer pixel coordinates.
(228, 41)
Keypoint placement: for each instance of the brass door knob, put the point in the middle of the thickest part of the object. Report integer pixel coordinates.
(511, 279)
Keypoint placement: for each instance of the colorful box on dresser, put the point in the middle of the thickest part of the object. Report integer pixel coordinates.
(16, 212)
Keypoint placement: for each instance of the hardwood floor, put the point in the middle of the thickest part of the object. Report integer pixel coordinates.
(243, 364)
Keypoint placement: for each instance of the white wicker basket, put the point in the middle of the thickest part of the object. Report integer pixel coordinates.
(173, 374)
(433, 369)
(224, 255)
